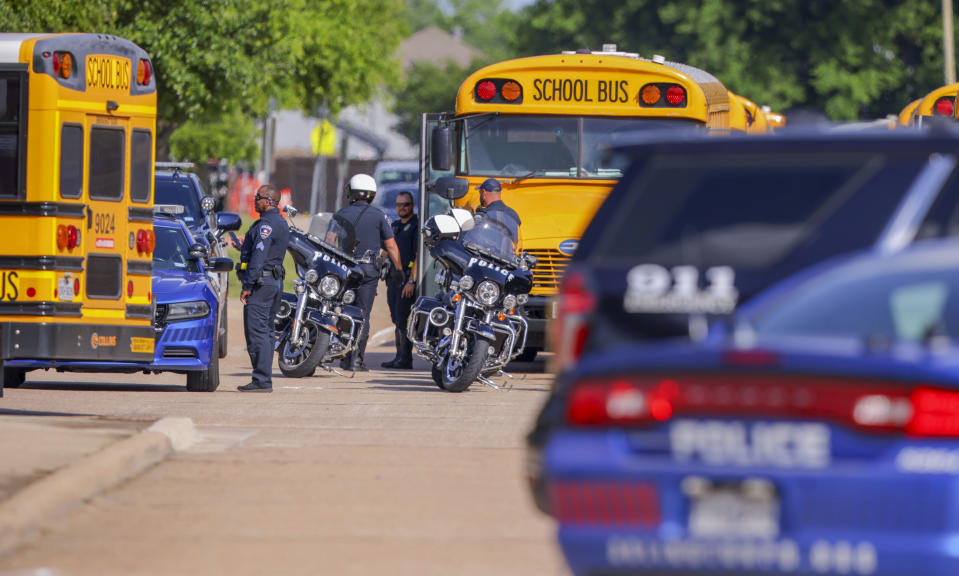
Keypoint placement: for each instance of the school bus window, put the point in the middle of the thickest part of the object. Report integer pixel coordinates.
(142, 151)
(107, 147)
(71, 160)
(10, 128)
(104, 276)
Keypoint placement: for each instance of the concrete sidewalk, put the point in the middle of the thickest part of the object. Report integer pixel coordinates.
(52, 462)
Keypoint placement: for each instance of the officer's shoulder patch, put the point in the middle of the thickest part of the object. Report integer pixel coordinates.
(265, 231)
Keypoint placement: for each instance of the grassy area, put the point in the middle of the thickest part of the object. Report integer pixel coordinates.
(235, 287)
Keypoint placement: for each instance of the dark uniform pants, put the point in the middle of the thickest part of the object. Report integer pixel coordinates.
(400, 312)
(258, 314)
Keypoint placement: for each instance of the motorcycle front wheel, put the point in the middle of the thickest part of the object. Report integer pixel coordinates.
(455, 375)
(301, 361)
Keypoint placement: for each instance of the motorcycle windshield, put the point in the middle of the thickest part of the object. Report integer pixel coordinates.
(492, 237)
(334, 231)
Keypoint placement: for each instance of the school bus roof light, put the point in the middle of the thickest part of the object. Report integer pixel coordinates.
(486, 90)
(511, 91)
(62, 64)
(144, 72)
(675, 95)
(650, 94)
(944, 106)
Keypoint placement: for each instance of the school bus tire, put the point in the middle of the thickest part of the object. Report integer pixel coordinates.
(207, 380)
(14, 377)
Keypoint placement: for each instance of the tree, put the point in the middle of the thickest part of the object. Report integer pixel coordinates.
(216, 57)
(230, 134)
(851, 59)
(428, 88)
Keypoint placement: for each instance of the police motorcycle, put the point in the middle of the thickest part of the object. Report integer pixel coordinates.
(472, 328)
(316, 324)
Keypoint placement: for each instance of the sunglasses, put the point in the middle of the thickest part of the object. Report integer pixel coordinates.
(257, 198)
(398, 204)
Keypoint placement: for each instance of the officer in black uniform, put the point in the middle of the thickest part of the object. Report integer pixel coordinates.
(400, 295)
(373, 231)
(261, 272)
(491, 201)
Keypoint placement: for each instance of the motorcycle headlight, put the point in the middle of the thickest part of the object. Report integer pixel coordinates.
(187, 310)
(330, 286)
(487, 293)
(466, 282)
(349, 296)
(509, 301)
(522, 299)
(311, 276)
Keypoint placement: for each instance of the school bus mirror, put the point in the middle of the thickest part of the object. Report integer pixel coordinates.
(440, 149)
(228, 221)
(451, 188)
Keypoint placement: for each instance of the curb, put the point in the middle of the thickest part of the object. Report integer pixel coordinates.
(22, 516)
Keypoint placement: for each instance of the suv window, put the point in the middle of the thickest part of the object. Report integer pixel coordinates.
(180, 191)
(750, 211)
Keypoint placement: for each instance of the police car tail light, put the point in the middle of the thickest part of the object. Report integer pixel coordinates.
(620, 401)
(934, 413)
(944, 106)
(574, 303)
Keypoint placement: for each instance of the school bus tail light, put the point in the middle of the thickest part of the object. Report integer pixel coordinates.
(129, 288)
(61, 236)
(151, 241)
(144, 72)
(675, 95)
(73, 237)
(945, 106)
(76, 286)
(141, 241)
(485, 90)
(62, 64)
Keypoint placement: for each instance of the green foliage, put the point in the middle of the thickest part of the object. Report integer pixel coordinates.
(428, 88)
(851, 59)
(215, 56)
(231, 135)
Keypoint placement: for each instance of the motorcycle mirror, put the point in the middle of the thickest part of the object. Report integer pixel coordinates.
(451, 188)
(289, 211)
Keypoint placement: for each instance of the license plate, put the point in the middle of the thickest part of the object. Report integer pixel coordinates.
(141, 345)
(748, 509)
(65, 288)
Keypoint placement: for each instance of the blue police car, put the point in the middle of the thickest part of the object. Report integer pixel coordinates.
(176, 186)
(187, 307)
(816, 433)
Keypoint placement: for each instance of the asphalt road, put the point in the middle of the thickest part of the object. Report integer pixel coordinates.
(383, 473)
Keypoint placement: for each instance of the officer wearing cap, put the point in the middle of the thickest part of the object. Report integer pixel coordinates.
(261, 272)
(373, 231)
(400, 295)
(491, 201)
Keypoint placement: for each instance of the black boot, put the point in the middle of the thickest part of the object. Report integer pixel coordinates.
(347, 362)
(358, 363)
(404, 351)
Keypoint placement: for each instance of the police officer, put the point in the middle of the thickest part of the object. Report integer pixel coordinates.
(400, 294)
(373, 231)
(491, 201)
(261, 272)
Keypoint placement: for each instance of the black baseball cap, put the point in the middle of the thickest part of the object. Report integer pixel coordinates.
(490, 184)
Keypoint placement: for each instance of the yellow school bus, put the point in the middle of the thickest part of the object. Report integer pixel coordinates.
(940, 103)
(746, 115)
(541, 125)
(77, 129)
(908, 115)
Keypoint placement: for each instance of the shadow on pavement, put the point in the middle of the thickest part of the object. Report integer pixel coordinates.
(101, 387)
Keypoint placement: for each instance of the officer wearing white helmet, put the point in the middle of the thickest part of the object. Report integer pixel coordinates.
(373, 231)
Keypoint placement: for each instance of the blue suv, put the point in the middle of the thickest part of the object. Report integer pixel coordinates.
(187, 306)
(176, 186)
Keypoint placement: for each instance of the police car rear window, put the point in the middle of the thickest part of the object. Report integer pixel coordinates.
(750, 211)
(180, 191)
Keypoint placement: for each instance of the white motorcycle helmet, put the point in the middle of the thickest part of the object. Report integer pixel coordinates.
(361, 187)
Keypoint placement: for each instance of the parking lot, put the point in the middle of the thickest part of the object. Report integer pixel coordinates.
(381, 473)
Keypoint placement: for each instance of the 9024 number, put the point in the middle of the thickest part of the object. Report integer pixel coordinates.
(104, 223)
